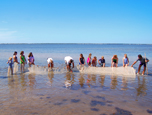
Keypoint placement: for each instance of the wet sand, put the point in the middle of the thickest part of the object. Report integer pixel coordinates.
(88, 94)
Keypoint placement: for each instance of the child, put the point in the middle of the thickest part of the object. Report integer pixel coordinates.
(101, 62)
(94, 61)
(114, 61)
(143, 62)
(81, 60)
(50, 63)
(89, 60)
(10, 66)
(15, 62)
(22, 61)
(31, 59)
(125, 60)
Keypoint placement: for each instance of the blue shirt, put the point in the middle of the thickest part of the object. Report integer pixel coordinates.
(102, 60)
(10, 63)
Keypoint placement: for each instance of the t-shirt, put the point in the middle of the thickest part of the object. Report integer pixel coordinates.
(142, 60)
(48, 60)
(31, 59)
(67, 60)
(102, 60)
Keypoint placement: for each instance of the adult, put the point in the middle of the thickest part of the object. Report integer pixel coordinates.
(68, 61)
(15, 62)
(143, 62)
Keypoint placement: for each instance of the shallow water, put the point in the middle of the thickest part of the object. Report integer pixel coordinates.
(45, 92)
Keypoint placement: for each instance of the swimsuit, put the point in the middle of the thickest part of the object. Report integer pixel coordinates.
(81, 60)
(125, 60)
(115, 60)
(89, 60)
(15, 58)
(31, 59)
(23, 59)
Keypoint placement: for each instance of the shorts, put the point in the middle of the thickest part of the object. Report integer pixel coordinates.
(143, 64)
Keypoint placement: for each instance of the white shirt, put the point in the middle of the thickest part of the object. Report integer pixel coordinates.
(48, 60)
(67, 59)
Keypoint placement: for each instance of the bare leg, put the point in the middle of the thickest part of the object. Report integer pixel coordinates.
(11, 71)
(103, 64)
(144, 71)
(139, 69)
(8, 71)
(21, 68)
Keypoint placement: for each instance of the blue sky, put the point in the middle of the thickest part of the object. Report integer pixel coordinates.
(76, 21)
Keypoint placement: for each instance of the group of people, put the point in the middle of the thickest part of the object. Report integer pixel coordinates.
(69, 61)
(22, 62)
(101, 61)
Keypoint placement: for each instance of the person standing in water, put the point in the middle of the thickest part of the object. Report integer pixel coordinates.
(114, 61)
(22, 61)
(31, 59)
(143, 62)
(101, 62)
(125, 60)
(15, 62)
(10, 66)
(94, 61)
(50, 64)
(68, 61)
(81, 60)
(89, 60)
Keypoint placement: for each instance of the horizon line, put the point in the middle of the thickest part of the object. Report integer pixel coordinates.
(85, 43)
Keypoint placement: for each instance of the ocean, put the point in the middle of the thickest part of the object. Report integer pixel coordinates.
(43, 92)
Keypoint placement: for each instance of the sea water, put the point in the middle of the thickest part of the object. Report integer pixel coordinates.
(59, 92)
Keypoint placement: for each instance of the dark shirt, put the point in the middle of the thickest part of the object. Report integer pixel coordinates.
(142, 60)
(102, 60)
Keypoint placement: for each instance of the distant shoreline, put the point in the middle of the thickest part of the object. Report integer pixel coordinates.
(79, 43)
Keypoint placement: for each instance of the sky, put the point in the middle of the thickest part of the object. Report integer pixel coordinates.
(76, 21)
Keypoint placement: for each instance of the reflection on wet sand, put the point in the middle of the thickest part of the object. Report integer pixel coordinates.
(124, 84)
(114, 82)
(91, 80)
(93, 77)
(51, 76)
(92, 99)
(32, 80)
(23, 82)
(81, 79)
(141, 89)
(102, 80)
(70, 79)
